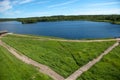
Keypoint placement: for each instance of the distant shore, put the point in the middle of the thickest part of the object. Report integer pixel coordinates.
(114, 19)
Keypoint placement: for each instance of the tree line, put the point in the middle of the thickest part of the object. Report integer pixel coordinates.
(103, 18)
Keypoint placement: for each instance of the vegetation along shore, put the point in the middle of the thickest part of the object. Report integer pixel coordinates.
(114, 19)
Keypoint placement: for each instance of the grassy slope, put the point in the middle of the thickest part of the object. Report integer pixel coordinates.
(107, 69)
(63, 57)
(13, 69)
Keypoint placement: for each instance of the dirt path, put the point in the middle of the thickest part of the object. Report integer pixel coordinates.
(42, 68)
(50, 72)
(86, 67)
(65, 40)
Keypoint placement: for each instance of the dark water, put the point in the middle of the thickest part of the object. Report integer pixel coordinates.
(65, 29)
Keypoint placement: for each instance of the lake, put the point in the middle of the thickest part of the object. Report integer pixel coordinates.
(65, 29)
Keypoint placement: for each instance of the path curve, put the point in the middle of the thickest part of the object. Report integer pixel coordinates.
(42, 68)
(86, 67)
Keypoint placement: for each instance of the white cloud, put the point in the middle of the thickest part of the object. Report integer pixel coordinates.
(41, 2)
(105, 4)
(95, 11)
(25, 1)
(5, 5)
(12, 13)
(16, 2)
(62, 4)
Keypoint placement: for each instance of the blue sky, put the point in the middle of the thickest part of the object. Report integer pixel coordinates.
(37, 8)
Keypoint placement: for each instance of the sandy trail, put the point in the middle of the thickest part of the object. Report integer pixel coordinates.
(86, 67)
(42, 68)
(46, 70)
(65, 40)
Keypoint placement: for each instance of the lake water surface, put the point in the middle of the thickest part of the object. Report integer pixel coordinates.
(65, 29)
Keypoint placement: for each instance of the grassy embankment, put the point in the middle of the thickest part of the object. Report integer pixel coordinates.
(107, 69)
(13, 69)
(62, 57)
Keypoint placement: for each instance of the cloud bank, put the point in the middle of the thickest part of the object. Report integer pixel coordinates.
(5, 5)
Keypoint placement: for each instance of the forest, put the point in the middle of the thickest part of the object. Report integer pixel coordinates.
(115, 19)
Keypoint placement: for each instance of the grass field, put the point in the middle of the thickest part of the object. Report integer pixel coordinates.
(107, 69)
(13, 69)
(62, 57)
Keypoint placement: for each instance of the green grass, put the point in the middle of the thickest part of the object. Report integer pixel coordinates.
(57, 38)
(39, 37)
(13, 69)
(107, 69)
(62, 57)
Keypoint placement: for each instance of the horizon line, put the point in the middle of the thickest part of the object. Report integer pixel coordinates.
(59, 15)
